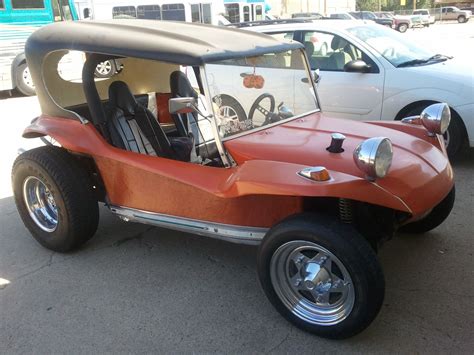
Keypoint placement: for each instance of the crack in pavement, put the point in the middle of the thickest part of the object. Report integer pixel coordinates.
(47, 264)
(280, 343)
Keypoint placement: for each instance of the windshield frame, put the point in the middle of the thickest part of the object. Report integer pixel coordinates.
(261, 128)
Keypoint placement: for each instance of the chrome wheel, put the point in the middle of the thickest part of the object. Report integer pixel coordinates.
(228, 113)
(27, 80)
(40, 204)
(312, 283)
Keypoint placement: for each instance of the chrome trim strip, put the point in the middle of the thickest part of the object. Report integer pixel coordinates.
(225, 156)
(227, 232)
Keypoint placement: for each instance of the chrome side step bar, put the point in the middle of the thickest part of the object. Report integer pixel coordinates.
(227, 232)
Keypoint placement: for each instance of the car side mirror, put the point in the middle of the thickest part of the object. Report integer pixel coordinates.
(357, 66)
(182, 105)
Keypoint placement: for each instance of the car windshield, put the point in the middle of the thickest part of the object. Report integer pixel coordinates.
(396, 48)
(251, 93)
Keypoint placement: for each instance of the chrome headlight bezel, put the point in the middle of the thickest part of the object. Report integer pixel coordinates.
(436, 118)
(374, 157)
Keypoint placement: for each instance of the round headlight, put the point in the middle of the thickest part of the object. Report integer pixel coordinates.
(374, 157)
(436, 118)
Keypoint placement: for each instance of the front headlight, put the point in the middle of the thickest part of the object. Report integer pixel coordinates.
(436, 118)
(374, 157)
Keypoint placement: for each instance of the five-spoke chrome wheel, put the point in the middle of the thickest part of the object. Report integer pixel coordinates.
(312, 282)
(40, 204)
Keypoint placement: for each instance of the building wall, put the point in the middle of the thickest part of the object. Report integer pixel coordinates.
(285, 8)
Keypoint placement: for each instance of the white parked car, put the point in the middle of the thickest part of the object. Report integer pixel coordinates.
(371, 72)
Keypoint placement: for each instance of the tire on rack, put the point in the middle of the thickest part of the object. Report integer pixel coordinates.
(454, 137)
(437, 216)
(24, 83)
(321, 275)
(55, 198)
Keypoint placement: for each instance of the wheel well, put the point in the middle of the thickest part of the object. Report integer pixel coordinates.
(423, 103)
(376, 223)
(97, 184)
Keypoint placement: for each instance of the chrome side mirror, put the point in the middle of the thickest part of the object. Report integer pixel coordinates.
(182, 105)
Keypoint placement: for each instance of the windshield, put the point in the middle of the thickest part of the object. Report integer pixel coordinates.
(395, 47)
(251, 93)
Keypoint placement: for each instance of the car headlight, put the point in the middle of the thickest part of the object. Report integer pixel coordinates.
(374, 157)
(436, 118)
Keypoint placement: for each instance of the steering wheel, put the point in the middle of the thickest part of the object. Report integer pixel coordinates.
(257, 107)
(389, 52)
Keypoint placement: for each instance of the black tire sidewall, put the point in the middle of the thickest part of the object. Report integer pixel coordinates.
(436, 217)
(59, 238)
(360, 261)
(20, 84)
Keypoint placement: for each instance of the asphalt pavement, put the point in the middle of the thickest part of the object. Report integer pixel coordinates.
(138, 289)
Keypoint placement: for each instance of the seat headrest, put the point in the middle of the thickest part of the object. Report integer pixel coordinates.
(180, 85)
(120, 96)
(338, 43)
(309, 47)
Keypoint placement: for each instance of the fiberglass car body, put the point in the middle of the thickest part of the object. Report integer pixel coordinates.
(318, 194)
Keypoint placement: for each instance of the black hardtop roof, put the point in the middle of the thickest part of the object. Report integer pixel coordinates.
(176, 42)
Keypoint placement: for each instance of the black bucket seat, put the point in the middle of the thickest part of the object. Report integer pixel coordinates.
(133, 127)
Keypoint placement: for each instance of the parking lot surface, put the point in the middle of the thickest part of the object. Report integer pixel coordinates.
(133, 288)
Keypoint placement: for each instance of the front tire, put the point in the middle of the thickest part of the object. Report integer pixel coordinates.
(402, 28)
(461, 19)
(437, 216)
(54, 198)
(321, 275)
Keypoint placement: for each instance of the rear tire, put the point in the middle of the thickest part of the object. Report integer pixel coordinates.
(54, 198)
(24, 83)
(353, 269)
(437, 216)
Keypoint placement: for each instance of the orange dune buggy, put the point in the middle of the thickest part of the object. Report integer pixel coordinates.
(219, 132)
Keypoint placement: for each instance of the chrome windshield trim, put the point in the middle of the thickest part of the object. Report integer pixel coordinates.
(226, 159)
(227, 232)
(270, 125)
